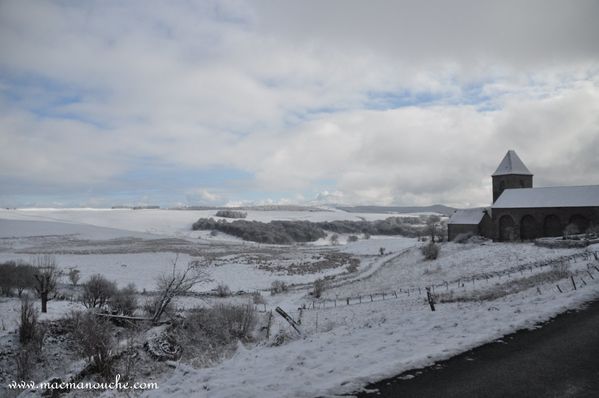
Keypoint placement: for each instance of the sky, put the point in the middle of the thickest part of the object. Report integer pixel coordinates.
(306, 102)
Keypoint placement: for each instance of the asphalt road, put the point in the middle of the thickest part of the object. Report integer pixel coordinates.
(560, 359)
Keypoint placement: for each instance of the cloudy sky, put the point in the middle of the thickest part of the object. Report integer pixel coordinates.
(354, 102)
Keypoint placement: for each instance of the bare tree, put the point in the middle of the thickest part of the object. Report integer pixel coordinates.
(176, 283)
(74, 276)
(433, 227)
(97, 291)
(46, 275)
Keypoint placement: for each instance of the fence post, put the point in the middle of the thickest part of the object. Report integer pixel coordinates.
(573, 283)
(430, 299)
(591, 275)
(583, 282)
(347, 299)
(558, 288)
(268, 325)
(371, 298)
(395, 293)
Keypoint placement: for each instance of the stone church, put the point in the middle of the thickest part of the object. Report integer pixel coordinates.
(522, 212)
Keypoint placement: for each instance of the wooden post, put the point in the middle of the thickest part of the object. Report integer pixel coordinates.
(591, 275)
(268, 325)
(430, 299)
(360, 298)
(347, 300)
(371, 298)
(573, 283)
(583, 282)
(558, 288)
(395, 293)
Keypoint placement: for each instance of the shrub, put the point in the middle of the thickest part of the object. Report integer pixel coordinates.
(334, 239)
(352, 238)
(257, 298)
(97, 291)
(571, 229)
(223, 323)
(74, 276)
(124, 301)
(430, 251)
(94, 341)
(16, 276)
(231, 214)
(214, 233)
(278, 287)
(28, 327)
(319, 287)
(223, 290)
(463, 237)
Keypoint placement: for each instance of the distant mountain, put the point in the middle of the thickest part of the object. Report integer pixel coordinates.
(257, 207)
(441, 209)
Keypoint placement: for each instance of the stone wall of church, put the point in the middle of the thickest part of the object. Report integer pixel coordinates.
(510, 181)
(531, 223)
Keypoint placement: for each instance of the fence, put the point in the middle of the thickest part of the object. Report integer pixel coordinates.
(412, 295)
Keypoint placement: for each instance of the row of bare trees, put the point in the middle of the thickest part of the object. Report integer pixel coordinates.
(43, 274)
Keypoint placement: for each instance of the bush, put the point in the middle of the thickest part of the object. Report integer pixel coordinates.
(352, 238)
(334, 239)
(430, 251)
(124, 301)
(28, 326)
(278, 287)
(223, 323)
(223, 290)
(94, 341)
(16, 276)
(571, 229)
(463, 237)
(319, 287)
(231, 214)
(74, 276)
(257, 298)
(97, 291)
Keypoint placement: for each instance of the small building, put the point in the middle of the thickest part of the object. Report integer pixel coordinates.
(476, 221)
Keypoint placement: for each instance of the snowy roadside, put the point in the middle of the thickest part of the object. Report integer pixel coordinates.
(369, 342)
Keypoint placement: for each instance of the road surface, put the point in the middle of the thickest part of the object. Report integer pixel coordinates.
(560, 359)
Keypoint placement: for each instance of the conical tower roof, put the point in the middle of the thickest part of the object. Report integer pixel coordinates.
(511, 164)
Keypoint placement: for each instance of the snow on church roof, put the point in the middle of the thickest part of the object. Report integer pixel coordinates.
(580, 196)
(467, 216)
(511, 164)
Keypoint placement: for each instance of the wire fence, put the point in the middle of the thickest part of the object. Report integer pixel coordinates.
(412, 295)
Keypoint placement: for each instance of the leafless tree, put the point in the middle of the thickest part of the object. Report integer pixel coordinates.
(433, 227)
(74, 276)
(97, 291)
(46, 276)
(176, 283)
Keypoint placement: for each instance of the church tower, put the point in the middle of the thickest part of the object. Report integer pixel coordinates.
(511, 173)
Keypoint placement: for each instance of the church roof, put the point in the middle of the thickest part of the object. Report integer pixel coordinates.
(511, 164)
(579, 196)
(467, 216)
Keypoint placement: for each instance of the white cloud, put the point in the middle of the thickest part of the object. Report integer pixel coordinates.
(285, 91)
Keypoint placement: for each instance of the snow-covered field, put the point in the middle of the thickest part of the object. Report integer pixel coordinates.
(342, 347)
